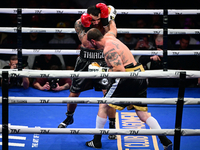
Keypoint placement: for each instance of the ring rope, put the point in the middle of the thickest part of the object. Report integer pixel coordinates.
(25, 130)
(42, 51)
(119, 11)
(95, 100)
(73, 74)
(119, 30)
(77, 52)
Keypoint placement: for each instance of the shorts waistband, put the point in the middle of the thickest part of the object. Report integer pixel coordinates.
(136, 68)
(89, 54)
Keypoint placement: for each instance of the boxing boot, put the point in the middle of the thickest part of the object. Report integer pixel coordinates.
(167, 144)
(112, 137)
(95, 143)
(69, 120)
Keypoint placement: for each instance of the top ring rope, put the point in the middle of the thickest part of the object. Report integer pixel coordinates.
(119, 11)
(77, 52)
(119, 30)
(74, 74)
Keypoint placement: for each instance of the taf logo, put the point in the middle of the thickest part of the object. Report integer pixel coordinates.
(59, 12)
(36, 50)
(125, 13)
(74, 75)
(196, 53)
(38, 11)
(44, 131)
(58, 31)
(104, 131)
(14, 131)
(156, 32)
(175, 53)
(101, 101)
(14, 50)
(75, 131)
(154, 53)
(81, 12)
(157, 13)
(14, 75)
(44, 75)
(57, 51)
(44, 101)
(104, 75)
(134, 74)
(134, 132)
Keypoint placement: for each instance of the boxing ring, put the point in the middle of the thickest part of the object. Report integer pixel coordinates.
(178, 102)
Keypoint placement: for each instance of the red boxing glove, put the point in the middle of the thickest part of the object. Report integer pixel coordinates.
(104, 9)
(86, 20)
(104, 13)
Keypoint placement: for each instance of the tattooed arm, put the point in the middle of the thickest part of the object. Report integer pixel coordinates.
(79, 30)
(113, 59)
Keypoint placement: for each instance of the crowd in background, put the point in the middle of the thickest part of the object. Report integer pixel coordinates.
(133, 41)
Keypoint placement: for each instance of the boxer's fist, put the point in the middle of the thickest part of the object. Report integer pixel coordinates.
(112, 13)
(86, 20)
(95, 67)
(104, 13)
(104, 9)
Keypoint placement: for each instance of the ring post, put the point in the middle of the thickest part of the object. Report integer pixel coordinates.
(165, 38)
(19, 38)
(179, 111)
(5, 110)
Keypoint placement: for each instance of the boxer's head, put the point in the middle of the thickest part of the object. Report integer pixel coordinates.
(95, 14)
(94, 36)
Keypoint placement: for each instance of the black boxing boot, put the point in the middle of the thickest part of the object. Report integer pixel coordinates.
(167, 144)
(69, 120)
(95, 143)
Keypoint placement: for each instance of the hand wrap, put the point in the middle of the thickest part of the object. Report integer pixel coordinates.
(95, 67)
(112, 13)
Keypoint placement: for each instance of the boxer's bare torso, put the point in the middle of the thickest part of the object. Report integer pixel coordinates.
(117, 54)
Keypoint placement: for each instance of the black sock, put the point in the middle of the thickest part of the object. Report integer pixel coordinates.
(68, 113)
(69, 117)
(164, 140)
(97, 138)
(112, 123)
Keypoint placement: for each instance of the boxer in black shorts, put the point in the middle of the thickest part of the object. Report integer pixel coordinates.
(87, 57)
(97, 17)
(120, 59)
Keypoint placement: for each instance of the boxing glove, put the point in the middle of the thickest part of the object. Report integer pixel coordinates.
(86, 21)
(112, 13)
(95, 67)
(104, 13)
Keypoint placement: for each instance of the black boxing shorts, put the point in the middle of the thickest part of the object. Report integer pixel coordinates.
(129, 88)
(86, 57)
